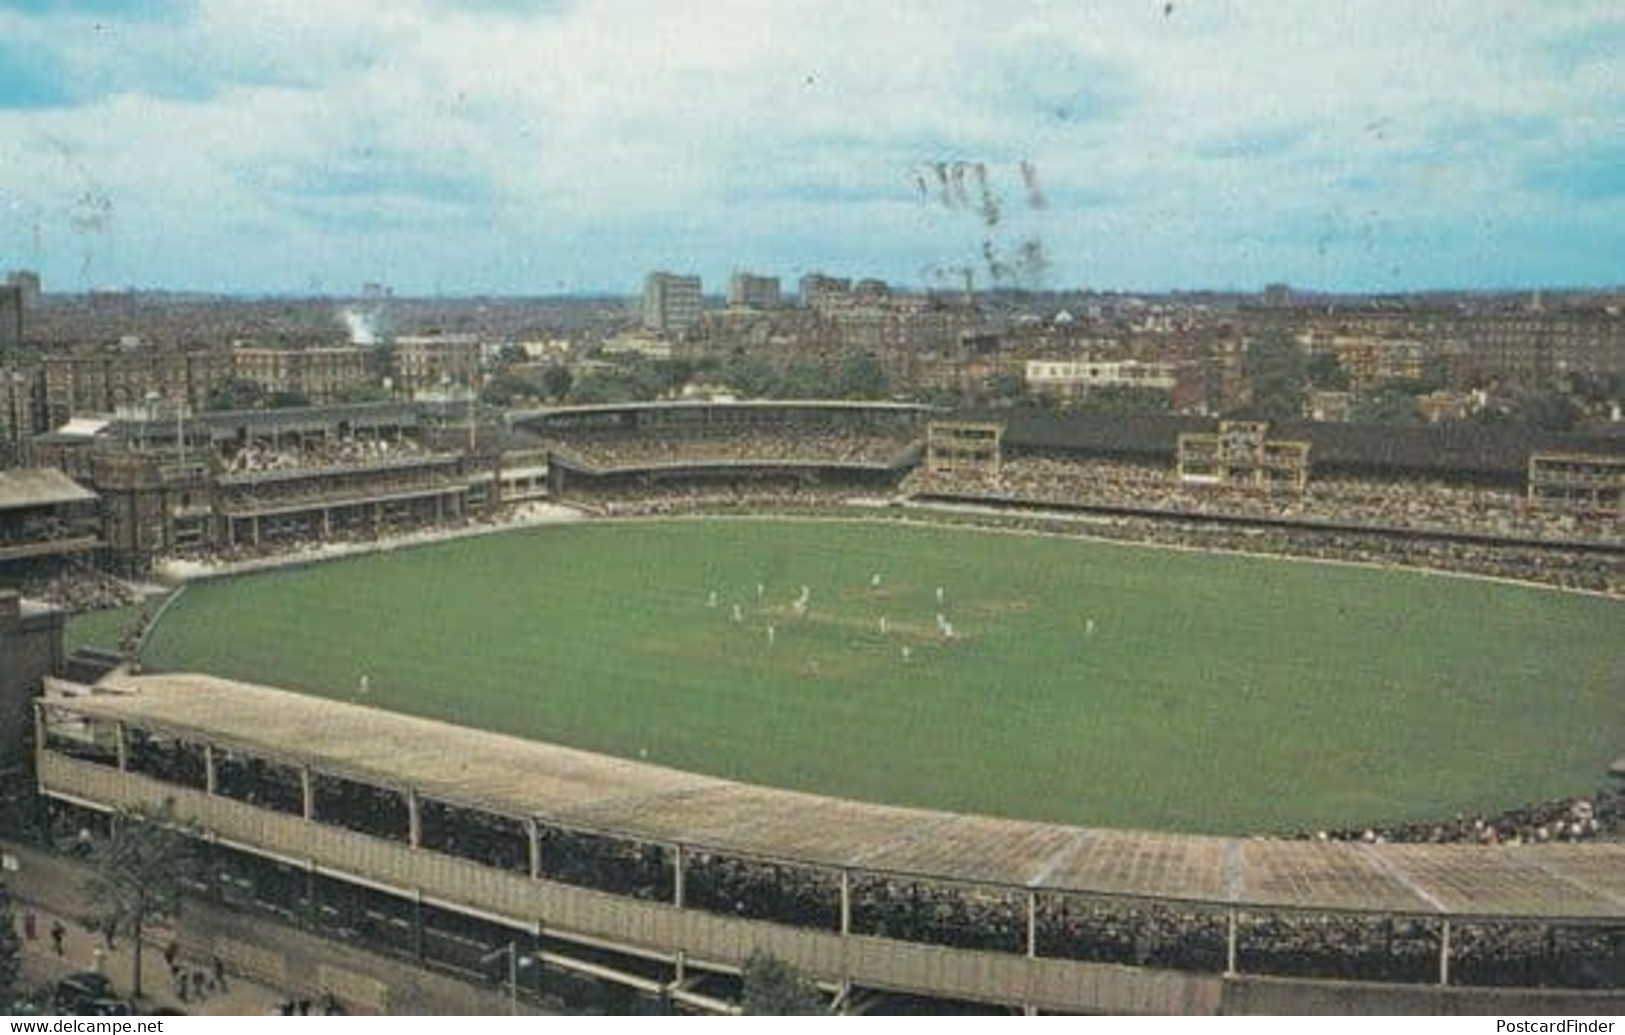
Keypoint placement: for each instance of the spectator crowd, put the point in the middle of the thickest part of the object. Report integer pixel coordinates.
(819, 445)
(916, 908)
(78, 589)
(319, 453)
(1398, 503)
(1564, 819)
(1481, 531)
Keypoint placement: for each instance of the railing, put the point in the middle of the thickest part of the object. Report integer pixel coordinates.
(319, 469)
(663, 928)
(49, 547)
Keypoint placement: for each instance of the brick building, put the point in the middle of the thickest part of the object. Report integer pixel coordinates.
(319, 375)
(429, 362)
(103, 380)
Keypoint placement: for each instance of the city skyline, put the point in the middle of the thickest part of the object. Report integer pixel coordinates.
(553, 148)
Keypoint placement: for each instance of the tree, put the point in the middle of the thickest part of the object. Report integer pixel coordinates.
(1274, 367)
(556, 381)
(1007, 386)
(773, 988)
(1387, 405)
(1326, 372)
(673, 375)
(364, 393)
(747, 375)
(11, 951)
(509, 355)
(1123, 401)
(949, 396)
(235, 393)
(140, 875)
(381, 361)
(505, 388)
(803, 379)
(1546, 409)
(595, 388)
(613, 386)
(1540, 409)
(862, 377)
(1596, 389)
(642, 381)
(284, 399)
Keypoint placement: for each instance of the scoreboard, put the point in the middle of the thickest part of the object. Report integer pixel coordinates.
(1242, 455)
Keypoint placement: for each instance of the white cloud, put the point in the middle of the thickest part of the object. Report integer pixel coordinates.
(1222, 143)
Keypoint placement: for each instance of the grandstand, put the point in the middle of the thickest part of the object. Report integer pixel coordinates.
(316, 474)
(1429, 481)
(45, 514)
(284, 495)
(347, 817)
(51, 537)
(230, 483)
(1457, 498)
(625, 450)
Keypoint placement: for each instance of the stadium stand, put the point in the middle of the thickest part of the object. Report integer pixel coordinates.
(1396, 505)
(234, 484)
(731, 449)
(1444, 497)
(44, 513)
(616, 853)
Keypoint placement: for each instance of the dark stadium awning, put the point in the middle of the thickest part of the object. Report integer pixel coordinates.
(1425, 450)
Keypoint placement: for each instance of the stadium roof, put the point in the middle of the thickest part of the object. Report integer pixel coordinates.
(78, 431)
(84, 427)
(225, 424)
(646, 802)
(1422, 448)
(44, 487)
(519, 416)
(309, 418)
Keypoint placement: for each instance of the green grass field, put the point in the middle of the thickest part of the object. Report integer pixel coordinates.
(106, 628)
(1217, 693)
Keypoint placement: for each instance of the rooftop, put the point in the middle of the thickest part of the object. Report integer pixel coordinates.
(646, 802)
(44, 487)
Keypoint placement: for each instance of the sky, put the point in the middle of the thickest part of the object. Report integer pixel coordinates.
(533, 148)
